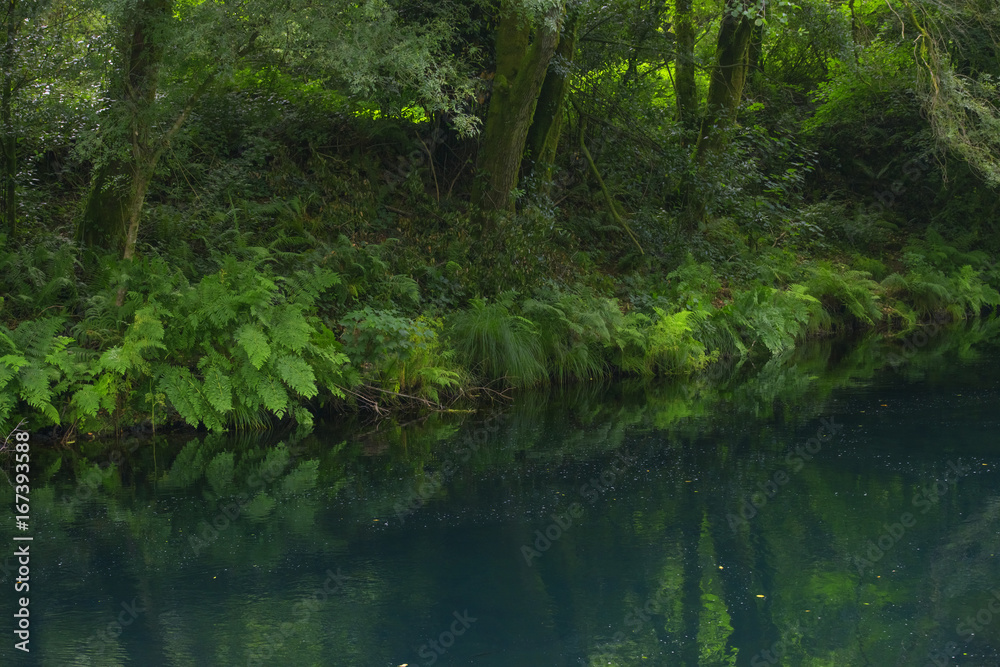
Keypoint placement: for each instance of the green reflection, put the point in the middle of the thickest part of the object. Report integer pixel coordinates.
(227, 550)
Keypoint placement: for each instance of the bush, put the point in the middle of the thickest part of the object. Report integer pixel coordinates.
(244, 346)
(41, 368)
(399, 354)
(774, 318)
(847, 291)
(497, 344)
(661, 345)
(574, 331)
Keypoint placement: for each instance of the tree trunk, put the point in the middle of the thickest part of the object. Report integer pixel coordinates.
(729, 74)
(521, 66)
(546, 127)
(686, 89)
(755, 52)
(105, 213)
(119, 187)
(8, 138)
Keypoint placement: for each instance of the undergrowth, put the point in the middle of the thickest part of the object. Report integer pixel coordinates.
(264, 334)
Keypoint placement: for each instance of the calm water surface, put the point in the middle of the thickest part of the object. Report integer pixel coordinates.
(821, 510)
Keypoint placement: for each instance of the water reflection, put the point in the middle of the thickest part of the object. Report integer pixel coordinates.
(822, 509)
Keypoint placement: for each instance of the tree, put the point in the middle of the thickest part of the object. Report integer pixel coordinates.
(8, 141)
(111, 215)
(725, 89)
(546, 127)
(686, 90)
(525, 43)
(169, 54)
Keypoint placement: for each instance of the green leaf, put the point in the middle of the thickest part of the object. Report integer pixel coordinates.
(254, 343)
(181, 389)
(291, 328)
(87, 400)
(219, 390)
(297, 374)
(273, 395)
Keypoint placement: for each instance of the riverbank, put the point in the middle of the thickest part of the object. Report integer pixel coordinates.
(275, 345)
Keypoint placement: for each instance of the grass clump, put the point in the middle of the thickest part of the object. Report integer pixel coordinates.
(574, 331)
(494, 343)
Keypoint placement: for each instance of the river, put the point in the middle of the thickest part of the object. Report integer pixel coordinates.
(840, 506)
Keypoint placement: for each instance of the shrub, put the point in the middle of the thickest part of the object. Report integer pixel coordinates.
(845, 290)
(661, 345)
(402, 355)
(40, 368)
(497, 344)
(244, 346)
(574, 330)
(774, 318)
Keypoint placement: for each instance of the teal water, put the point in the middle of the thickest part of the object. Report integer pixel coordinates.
(690, 523)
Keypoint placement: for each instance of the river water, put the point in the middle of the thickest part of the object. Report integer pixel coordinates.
(837, 507)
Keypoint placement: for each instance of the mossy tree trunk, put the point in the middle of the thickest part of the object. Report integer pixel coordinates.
(114, 205)
(725, 89)
(523, 53)
(755, 52)
(686, 89)
(546, 127)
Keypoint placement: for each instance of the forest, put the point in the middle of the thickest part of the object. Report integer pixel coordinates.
(234, 215)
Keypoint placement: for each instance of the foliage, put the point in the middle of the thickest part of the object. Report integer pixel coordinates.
(41, 367)
(497, 344)
(662, 344)
(401, 355)
(308, 240)
(574, 329)
(772, 317)
(942, 280)
(845, 290)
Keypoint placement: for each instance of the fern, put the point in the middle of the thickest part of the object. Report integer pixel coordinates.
(848, 290)
(253, 341)
(296, 374)
(575, 330)
(40, 368)
(932, 292)
(662, 345)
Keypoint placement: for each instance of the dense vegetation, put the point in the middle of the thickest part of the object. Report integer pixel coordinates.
(227, 214)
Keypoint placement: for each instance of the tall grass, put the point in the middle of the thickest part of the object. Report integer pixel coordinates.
(497, 344)
(574, 330)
